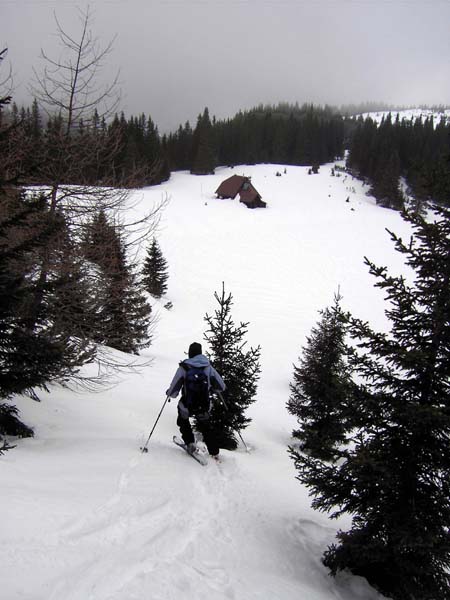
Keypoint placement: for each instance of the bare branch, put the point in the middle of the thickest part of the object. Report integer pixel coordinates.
(6, 82)
(77, 153)
(70, 83)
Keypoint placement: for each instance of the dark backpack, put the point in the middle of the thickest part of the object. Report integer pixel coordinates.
(196, 389)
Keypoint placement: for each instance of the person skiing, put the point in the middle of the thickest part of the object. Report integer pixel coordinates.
(195, 377)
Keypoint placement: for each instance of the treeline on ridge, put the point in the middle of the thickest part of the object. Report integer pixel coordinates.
(288, 134)
(417, 149)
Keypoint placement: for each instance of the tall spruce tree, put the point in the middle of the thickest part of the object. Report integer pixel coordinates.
(23, 352)
(239, 367)
(395, 477)
(154, 271)
(33, 351)
(203, 160)
(321, 387)
(70, 304)
(123, 315)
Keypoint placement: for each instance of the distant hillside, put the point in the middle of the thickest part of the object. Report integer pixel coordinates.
(409, 113)
(413, 145)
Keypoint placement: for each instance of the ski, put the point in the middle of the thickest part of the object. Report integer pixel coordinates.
(200, 458)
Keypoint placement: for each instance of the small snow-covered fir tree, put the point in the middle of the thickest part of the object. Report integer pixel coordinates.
(154, 271)
(394, 479)
(239, 368)
(321, 387)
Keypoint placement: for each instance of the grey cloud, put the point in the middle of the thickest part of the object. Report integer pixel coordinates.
(177, 57)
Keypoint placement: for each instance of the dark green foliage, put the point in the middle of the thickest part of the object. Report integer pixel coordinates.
(154, 271)
(395, 477)
(180, 147)
(10, 424)
(284, 134)
(32, 351)
(123, 315)
(239, 368)
(59, 304)
(203, 160)
(414, 149)
(122, 152)
(129, 152)
(321, 389)
(71, 308)
(140, 150)
(386, 186)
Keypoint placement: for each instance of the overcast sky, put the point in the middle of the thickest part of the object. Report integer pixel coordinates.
(176, 57)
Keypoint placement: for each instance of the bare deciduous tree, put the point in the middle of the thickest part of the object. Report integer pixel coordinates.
(5, 81)
(77, 168)
(80, 154)
(69, 85)
(13, 144)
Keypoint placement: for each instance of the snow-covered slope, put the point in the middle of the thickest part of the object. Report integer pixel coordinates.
(87, 516)
(411, 113)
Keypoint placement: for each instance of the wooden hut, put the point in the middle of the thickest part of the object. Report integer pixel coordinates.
(229, 188)
(249, 196)
(239, 184)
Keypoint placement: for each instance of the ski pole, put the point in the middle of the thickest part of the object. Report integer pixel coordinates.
(222, 399)
(144, 448)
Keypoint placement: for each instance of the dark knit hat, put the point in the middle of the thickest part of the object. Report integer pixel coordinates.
(194, 349)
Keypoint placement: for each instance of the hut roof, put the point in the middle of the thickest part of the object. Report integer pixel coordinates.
(249, 195)
(231, 186)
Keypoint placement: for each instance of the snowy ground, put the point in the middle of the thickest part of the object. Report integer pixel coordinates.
(411, 113)
(87, 516)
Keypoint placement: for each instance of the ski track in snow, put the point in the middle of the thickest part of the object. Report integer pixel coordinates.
(114, 547)
(143, 538)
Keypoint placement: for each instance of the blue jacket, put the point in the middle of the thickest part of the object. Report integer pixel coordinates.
(215, 381)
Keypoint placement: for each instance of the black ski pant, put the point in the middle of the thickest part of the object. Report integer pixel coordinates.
(204, 427)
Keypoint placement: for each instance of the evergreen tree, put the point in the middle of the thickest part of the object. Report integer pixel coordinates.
(70, 304)
(203, 160)
(10, 424)
(32, 352)
(19, 350)
(123, 315)
(395, 477)
(386, 168)
(386, 186)
(322, 386)
(154, 272)
(239, 367)
(413, 149)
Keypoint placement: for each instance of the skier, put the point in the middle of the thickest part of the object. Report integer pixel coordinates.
(195, 377)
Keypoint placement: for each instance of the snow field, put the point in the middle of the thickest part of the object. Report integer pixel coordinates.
(87, 516)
